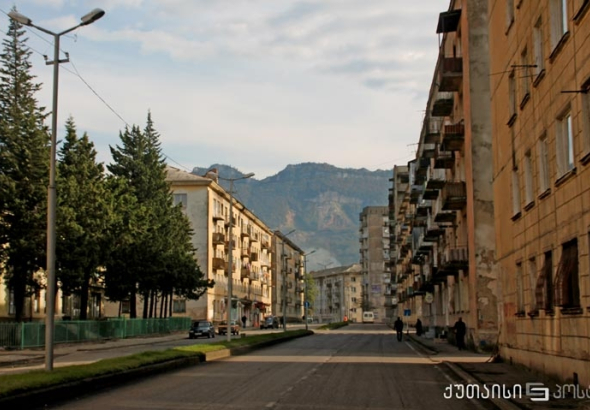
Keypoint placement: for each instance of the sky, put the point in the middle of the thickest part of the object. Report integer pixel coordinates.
(255, 84)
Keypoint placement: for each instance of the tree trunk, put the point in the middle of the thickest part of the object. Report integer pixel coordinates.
(84, 296)
(146, 301)
(162, 306)
(170, 301)
(133, 305)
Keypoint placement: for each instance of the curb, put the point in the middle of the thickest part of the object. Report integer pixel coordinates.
(40, 398)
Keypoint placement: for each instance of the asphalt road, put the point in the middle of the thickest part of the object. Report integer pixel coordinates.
(358, 367)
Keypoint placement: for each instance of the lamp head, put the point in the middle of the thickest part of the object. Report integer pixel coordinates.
(20, 18)
(92, 17)
(250, 175)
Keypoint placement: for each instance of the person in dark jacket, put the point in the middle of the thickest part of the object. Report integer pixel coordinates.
(418, 327)
(398, 325)
(460, 331)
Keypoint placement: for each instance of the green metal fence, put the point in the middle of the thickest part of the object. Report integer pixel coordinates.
(27, 335)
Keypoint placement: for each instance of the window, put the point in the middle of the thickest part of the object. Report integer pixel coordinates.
(519, 291)
(586, 116)
(544, 286)
(125, 307)
(180, 199)
(532, 271)
(512, 96)
(538, 48)
(515, 193)
(543, 165)
(564, 142)
(528, 178)
(567, 282)
(179, 306)
(11, 306)
(558, 13)
(525, 78)
(509, 14)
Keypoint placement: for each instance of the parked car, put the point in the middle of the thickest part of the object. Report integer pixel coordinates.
(269, 322)
(201, 328)
(222, 327)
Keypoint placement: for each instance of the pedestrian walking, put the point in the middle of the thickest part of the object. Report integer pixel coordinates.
(418, 327)
(460, 330)
(244, 319)
(398, 325)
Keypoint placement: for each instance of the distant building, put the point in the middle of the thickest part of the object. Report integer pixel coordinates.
(374, 261)
(338, 294)
(287, 278)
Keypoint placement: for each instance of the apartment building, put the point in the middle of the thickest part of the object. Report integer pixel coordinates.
(339, 294)
(374, 261)
(445, 233)
(540, 102)
(287, 278)
(397, 249)
(207, 204)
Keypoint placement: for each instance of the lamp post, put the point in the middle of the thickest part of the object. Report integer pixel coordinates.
(305, 303)
(230, 249)
(284, 269)
(51, 193)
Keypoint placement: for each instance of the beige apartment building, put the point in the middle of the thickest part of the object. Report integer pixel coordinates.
(374, 260)
(338, 294)
(540, 101)
(396, 197)
(287, 278)
(445, 222)
(206, 204)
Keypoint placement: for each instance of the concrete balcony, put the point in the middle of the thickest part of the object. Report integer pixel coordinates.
(444, 159)
(454, 196)
(218, 263)
(454, 137)
(443, 105)
(453, 259)
(218, 238)
(451, 74)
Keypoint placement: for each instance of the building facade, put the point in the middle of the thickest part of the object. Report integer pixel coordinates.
(287, 278)
(207, 204)
(374, 261)
(446, 268)
(540, 105)
(338, 294)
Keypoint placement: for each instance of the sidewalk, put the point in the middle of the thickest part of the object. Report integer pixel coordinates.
(479, 368)
(21, 361)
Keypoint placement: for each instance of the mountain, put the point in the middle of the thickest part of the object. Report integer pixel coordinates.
(320, 201)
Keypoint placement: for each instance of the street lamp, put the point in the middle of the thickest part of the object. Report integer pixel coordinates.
(284, 269)
(51, 193)
(305, 303)
(230, 250)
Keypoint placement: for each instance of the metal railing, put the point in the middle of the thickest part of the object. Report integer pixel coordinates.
(32, 334)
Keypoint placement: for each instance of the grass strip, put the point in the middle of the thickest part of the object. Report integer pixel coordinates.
(334, 325)
(13, 384)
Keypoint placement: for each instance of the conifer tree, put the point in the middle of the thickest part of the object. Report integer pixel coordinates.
(24, 169)
(83, 216)
(158, 260)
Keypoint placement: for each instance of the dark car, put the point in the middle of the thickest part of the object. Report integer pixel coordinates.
(201, 328)
(270, 322)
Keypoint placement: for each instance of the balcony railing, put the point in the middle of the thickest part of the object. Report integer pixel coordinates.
(453, 259)
(454, 196)
(451, 74)
(218, 263)
(444, 159)
(443, 106)
(454, 137)
(218, 238)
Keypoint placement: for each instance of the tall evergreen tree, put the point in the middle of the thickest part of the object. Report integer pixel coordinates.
(156, 261)
(24, 169)
(83, 216)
